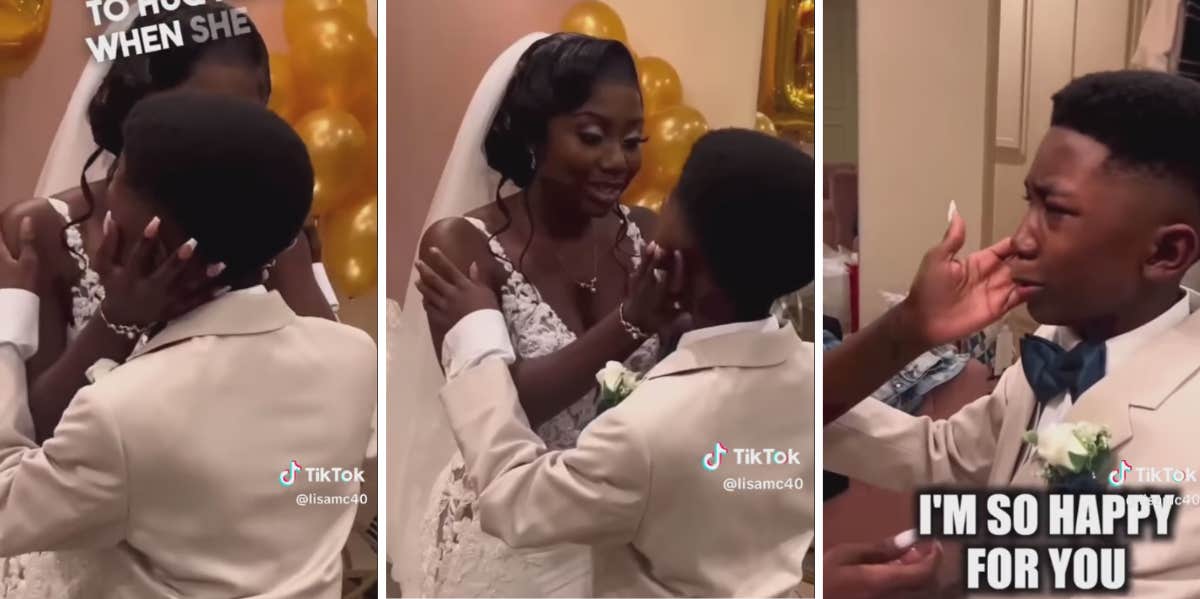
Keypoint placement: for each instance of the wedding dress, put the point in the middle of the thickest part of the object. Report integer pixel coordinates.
(461, 560)
(61, 574)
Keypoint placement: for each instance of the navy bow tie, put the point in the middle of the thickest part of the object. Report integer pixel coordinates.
(1051, 370)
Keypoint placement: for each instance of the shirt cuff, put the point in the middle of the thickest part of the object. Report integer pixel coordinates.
(19, 327)
(480, 335)
(326, 287)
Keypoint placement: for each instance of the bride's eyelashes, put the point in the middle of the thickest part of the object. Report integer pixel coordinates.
(592, 137)
(634, 143)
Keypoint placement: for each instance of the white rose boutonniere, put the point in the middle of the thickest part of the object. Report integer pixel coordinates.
(1073, 454)
(616, 383)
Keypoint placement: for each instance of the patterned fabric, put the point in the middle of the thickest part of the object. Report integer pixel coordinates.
(460, 559)
(906, 390)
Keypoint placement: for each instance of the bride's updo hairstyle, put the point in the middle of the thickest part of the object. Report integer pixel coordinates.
(227, 171)
(130, 79)
(555, 76)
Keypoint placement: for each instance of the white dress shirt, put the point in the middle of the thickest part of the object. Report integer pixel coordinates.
(18, 341)
(19, 327)
(1117, 351)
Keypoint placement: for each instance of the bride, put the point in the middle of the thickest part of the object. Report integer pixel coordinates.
(558, 117)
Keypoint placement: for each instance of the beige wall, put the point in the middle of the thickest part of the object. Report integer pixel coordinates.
(840, 107)
(925, 114)
(429, 87)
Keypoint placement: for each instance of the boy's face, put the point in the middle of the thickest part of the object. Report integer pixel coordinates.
(672, 234)
(1092, 236)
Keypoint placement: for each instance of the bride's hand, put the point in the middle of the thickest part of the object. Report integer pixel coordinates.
(951, 297)
(449, 295)
(654, 288)
(141, 289)
(20, 271)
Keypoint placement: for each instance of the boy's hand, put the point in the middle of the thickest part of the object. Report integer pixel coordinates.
(20, 271)
(449, 295)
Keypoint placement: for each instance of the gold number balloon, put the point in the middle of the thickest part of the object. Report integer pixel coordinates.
(596, 19)
(672, 133)
(23, 26)
(333, 58)
(337, 145)
(297, 13)
(348, 241)
(660, 84)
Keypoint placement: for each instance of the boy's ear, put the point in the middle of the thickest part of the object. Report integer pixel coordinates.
(1176, 247)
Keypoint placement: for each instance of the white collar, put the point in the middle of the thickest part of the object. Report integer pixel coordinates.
(765, 325)
(255, 290)
(1120, 348)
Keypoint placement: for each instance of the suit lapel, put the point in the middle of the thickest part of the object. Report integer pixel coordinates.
(1146, 381)
(1020, 416)
(747, 349)
(233, 314)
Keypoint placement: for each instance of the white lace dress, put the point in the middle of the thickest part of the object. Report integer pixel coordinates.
(463, 561)
(61, 574)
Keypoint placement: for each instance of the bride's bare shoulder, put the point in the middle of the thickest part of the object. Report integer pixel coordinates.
(456, 237)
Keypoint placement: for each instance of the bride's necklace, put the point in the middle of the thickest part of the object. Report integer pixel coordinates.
(590, 284)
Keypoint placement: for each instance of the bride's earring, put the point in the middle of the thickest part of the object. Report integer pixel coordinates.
(532, 160)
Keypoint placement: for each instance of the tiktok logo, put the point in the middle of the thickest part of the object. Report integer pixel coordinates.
(1116, 478)
(712, 460)
(287, 478)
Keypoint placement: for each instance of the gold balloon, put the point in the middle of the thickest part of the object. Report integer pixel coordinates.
(365, 105)
(597, 19)
(764, 124)
(647, 197)
(672, 133)
(333, 55)
(348, 246)
(660, 84)
(368, 174)
(23, 26)
(337, 145)
(284, 99)
(298, 13)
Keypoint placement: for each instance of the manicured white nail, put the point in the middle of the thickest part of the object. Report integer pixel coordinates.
(152, 228)
(215, 269)
(905, 539)
(187, 249)
(952, 211)
(107, 221)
